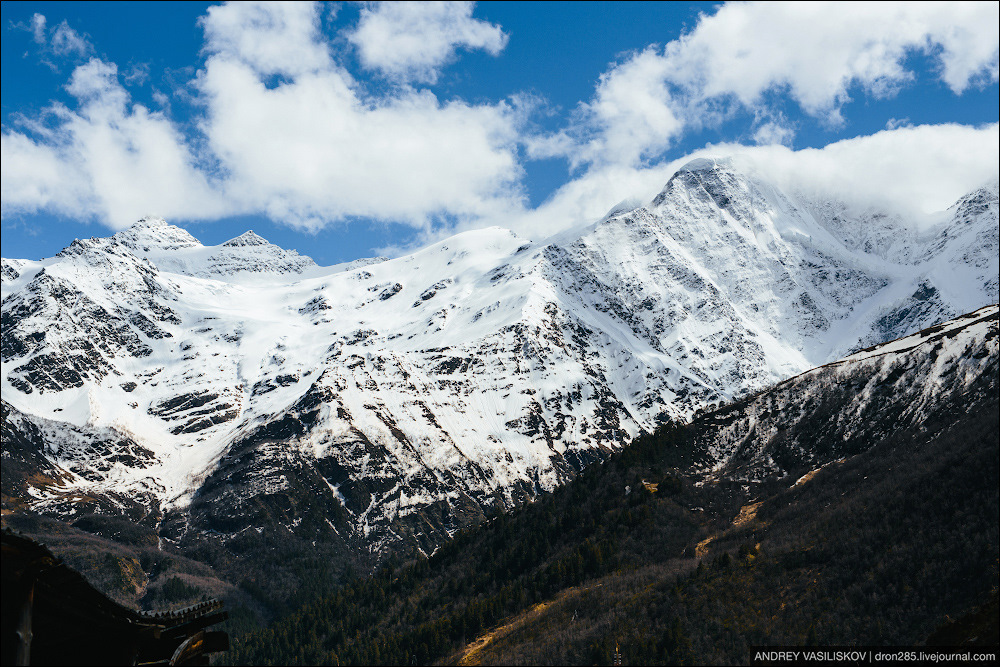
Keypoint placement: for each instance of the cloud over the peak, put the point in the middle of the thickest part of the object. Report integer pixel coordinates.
(913, 170)
(411, 41)
(814, 53)
(916, 170)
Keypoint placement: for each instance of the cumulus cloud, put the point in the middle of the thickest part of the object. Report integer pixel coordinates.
(632, 113)
(813, 52)
(411, 41)
(283, 130)
(35, 177)
(316, 148)
(108, 159)
(268, 37)
(819, 50)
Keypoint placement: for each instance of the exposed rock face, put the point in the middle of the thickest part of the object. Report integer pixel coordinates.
(841, 408)
(400, 399)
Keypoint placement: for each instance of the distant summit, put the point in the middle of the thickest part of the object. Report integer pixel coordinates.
(172, 249)
(152, 234)
(248, 238)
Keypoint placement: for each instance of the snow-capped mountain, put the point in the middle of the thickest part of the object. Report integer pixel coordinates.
(415, 392)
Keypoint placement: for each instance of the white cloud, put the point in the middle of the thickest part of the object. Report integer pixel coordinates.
(66, 41)
(813, 52)
(413, 40)
(773, 130)
(308, 149)
(632, 112)
(311, 152)
(315, 149)
(913, 170)
(137, 74)
(34, 177)
(284, 130)
(161, 99)
(916, 170)
(967, 33)
(270, 37)
(818, 50)
(108, 159)
(38, 28)
(97, 81)
(59, 41)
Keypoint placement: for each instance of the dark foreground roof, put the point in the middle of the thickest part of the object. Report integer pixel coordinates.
(53, 616)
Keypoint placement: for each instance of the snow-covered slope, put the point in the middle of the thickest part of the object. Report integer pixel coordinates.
(481, 369)
(912, 384)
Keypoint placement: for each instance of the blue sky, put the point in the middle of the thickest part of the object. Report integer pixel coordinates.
(345, 130)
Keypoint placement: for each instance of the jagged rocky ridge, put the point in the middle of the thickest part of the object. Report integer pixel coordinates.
(840, 409)
(241, 384)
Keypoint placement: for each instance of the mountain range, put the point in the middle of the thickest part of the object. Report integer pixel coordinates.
(215, 392)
